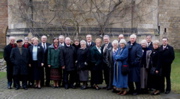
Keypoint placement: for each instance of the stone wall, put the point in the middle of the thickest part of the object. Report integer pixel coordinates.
(3, 22)
(47, 17)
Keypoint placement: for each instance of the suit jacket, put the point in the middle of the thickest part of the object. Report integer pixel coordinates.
(166, 56)
(96, 58)
(40, 55)
(109, 58)
(92, 44)
(20, 61)
(105, 52)
(150, 46)
(45, 52)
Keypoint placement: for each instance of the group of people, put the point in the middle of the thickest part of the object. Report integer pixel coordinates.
(126, 67)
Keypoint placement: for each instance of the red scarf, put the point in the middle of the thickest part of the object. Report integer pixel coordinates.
(13, 45)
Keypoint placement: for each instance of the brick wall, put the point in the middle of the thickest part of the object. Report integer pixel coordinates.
(3, 22)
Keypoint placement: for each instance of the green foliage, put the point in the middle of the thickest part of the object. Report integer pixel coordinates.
(2, 74)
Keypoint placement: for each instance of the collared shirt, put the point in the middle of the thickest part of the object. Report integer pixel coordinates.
(61, 44)
(88, 43)
(99, 49)
(34, 52)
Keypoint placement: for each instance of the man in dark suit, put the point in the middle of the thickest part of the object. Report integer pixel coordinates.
(166, 57)
(7, 51)
(149, 41)
(89, 41)
(107, 44)
(61, 40)
(67, 61)
(20, 58)
(45, 45)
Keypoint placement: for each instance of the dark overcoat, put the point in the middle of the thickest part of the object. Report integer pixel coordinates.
(134, 57)
(20, 61)
(82, 59)
(7, 52)
(68, 57)
(166, 57)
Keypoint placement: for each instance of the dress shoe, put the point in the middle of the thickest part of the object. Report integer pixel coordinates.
(17, 88)
(66, 86)
(167, 92)
(72, 86)
(135, 93)
(9, 87)
(109, 88)
(83, 87)
(25, 88)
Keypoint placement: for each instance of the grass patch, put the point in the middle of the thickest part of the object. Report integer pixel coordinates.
(1, 55)
(2, 75)
(175, 77)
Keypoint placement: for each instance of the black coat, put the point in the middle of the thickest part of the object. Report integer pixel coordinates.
(7, 52)
(40, 55)
(166, 56)
(134, 58)
(20, 61)
(109, 58)
(96, 58)
(82, 59)
(68, 57)
(154, 62)
(45, 52)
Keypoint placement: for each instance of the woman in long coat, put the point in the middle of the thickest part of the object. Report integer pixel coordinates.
(54, 62)
(120, 56)
(155, 63)
(82, 64)
(145, 62)
(96, 60)
(36, 62)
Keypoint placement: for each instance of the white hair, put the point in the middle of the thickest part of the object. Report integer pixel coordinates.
(123, 41)
(82, 42)
(26, 38)
(115, 42)
(61, 36)
(89, 35)
(133, 36)
(121, 35)
(12, 38)
(144, 42)
(44, 36)
(106, 36)
(156, 42)
(68, 38)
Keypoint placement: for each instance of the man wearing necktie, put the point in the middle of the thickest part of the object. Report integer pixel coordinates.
(149, 40)
(166, 57)
(45, 45)
(107, 44)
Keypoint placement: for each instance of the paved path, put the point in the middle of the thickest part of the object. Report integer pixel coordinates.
(61, 93)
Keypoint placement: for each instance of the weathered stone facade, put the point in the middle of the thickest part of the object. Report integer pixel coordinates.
(49, 17)
(3, 22)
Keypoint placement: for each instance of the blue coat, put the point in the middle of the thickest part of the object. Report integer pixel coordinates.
(134, 58)
(120, 59)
